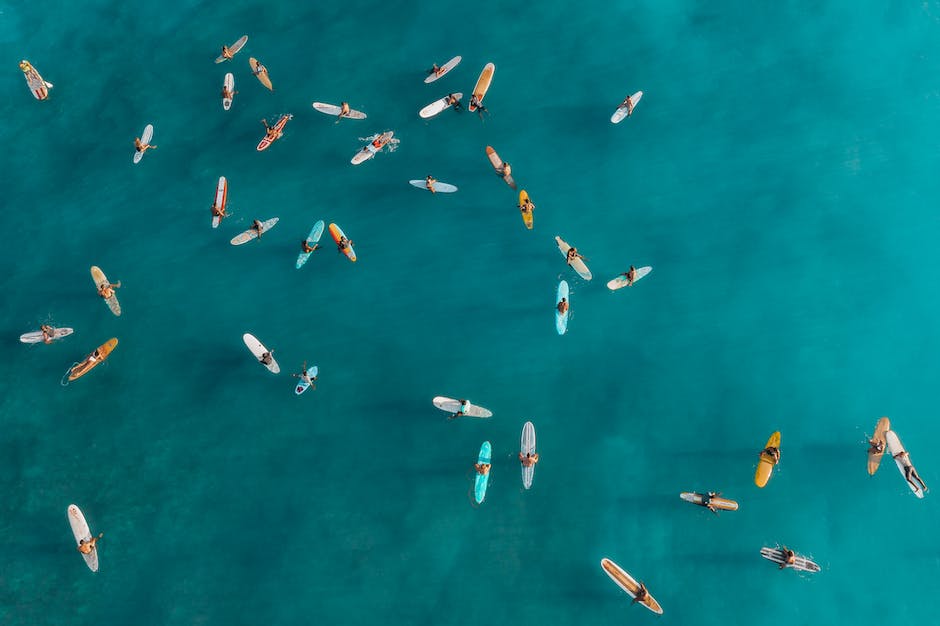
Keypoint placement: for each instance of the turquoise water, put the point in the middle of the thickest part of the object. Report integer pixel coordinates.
(780, 175)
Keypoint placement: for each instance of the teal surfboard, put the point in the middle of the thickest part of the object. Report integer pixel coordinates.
(479, 487)
(315, 233)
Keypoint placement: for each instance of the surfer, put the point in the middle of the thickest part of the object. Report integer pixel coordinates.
(789, 557)
(527, 207)
(876, 447)
(344, 244)
(462, 409)
(910, 474)
(572, 255)
(707, 501)
(563, 306)
(307, 248)
(343, 110)
(141, 147)
(429, 183)
(482, 468)
(48, 333)
(630, 275)
(226, 94)
(258, 227)
(226, 53)
(87, 547)
(773, 453)
(454, 101)
(266, 358)
(627, 102)
(304, 376)
(529, 459)
(259, 69)
(436, 70)
(271, 132)
(505, 171)
(218, 211)
(641, 595)
(106, 290)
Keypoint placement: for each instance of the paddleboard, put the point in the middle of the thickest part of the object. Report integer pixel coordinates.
(438, 106)
(228, 87)
(315, 233)
(527, 446)
(526, 215)
(629, 584)
(91, 361)
(439, 187)
(266, 141)
(234, 48)
(100, 279)
(81, 532)
(251, 233)
(621, 111)
(337, 234)
(561, 321)
(578, 264)
(722, 504)
(450, 405)
(443, 70)
(332, 109)
(874, 458)
(369, 150)
(303, 385)
(498, 166)
(801, 564)
(894, 448)
(145, 138)
(621, 281)
(36, 336)
(257, 348)
(765, 466)
(221, 197)
(482, 480)
(260, 72)
(37, 86)
(482, 86)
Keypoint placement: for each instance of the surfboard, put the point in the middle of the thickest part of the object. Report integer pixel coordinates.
(450, 405)
(37, 86)
(100, 279)
(526, 215)
(482, 86)
(527, 446)
(145, 138)
(438, 106)
(722, 504)
(439, 187)
(621, 281)
(874, 458)
(266, 141)
(578, 264)
(498, 166)
(248, 235)
(260, 72)
(629, 584)
(234, 48)
(36, 336)
(257, 348)
(91, 361)
(337, 234)
(765, 466)
(895, 447)
(801, 564)
(303, 385)
(369, 150)
(482, 480)
(81, 532)
(315, 233)
(561, 320)
(229, 86)
(621, 111)
(221, 197)
(443, 69)
(332, 109)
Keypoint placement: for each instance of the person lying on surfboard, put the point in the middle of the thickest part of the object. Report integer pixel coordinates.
(48, 333)
(106, 290)
(641, 594)
(86, 547)
(563, 306)
(482, 468)
(628, 102)
(529, 459)
(429, 183)
(307, 248)
(773, 452)
(453, 101)
(141, 147)
(909, 472)
(789, 557)
(464, 405)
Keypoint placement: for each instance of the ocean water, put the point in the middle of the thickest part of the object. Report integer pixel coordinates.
(780, 175)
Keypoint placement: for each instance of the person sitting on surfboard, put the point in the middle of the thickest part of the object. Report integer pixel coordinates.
(141, 147)
(260, 69)
(909, 472)
(453, 101)
(429, 183)
(344, 244)
(106, 290)
(436, 70)
(307, 248)
(628, 102)
(228, 54)
(707, 501)
(258, 227)
(482, 468)
(271, 132)
(86, 547)
(219, 211)
(789, 557)
(461, 410)
(303, 375)
(266, 357)
(529, 459)
(773, 453)
(572, 255)
(630, 275)
(506, 171)
(528, 207)
(563, 306)
(876, 447)
(343, 109)
(226, 94)
(641, 595)
(48, 333)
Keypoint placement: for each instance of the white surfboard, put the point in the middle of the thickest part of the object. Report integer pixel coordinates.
(234, 48)
(621, 281)
(578, 264)
(444, 69)
(439, 187)
(81, 533)
(368, 151)
(229, 85)
(36, 336)
(895, 447)
(621, 111)
(332, 109)
(257, 348)
(527, 446)
(145, 138)
(438, 106)
(221, 197)
(251, 233)
(450, 405)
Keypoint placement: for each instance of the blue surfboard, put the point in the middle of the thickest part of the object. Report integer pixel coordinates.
(479, 487)
(561, 321)
(315, 233)
(303, 385)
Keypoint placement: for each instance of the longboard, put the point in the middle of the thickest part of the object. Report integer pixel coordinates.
(337, 234)
(251, 233)
(874, 458)
(578, 264)
(482, 86)
(266, 141)
(303, 385)
(526, 215)
(443, 69)
(145, 138)
(629, 584)
(37, 86)
(621, 281)
(765, 466)
(497, 164)
(722, 504)
(315, 233)
(91, 361)
(229, 86)
(450, 405)
(100, 279)
(332, 109)
(437, 107)
(482, 480)
(895, 447)
(370, 149)
(221, 197)
(561, 321)
(36, 336)
(234, 48)
(257, 348)
(527, 446)
(260, 72)
(81, 532)
(439, 187)
(801, 564)
(621, 111)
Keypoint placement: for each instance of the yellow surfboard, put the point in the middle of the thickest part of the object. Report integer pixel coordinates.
(260, 72)
(874, 458)
(526, 214)
(766, 465)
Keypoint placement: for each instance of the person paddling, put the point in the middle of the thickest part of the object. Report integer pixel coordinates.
(910, 474)
(89, 546)
(529, 459)
(106, 290)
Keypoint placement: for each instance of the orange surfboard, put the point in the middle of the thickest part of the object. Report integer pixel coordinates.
(483, 84)
(92, 360)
